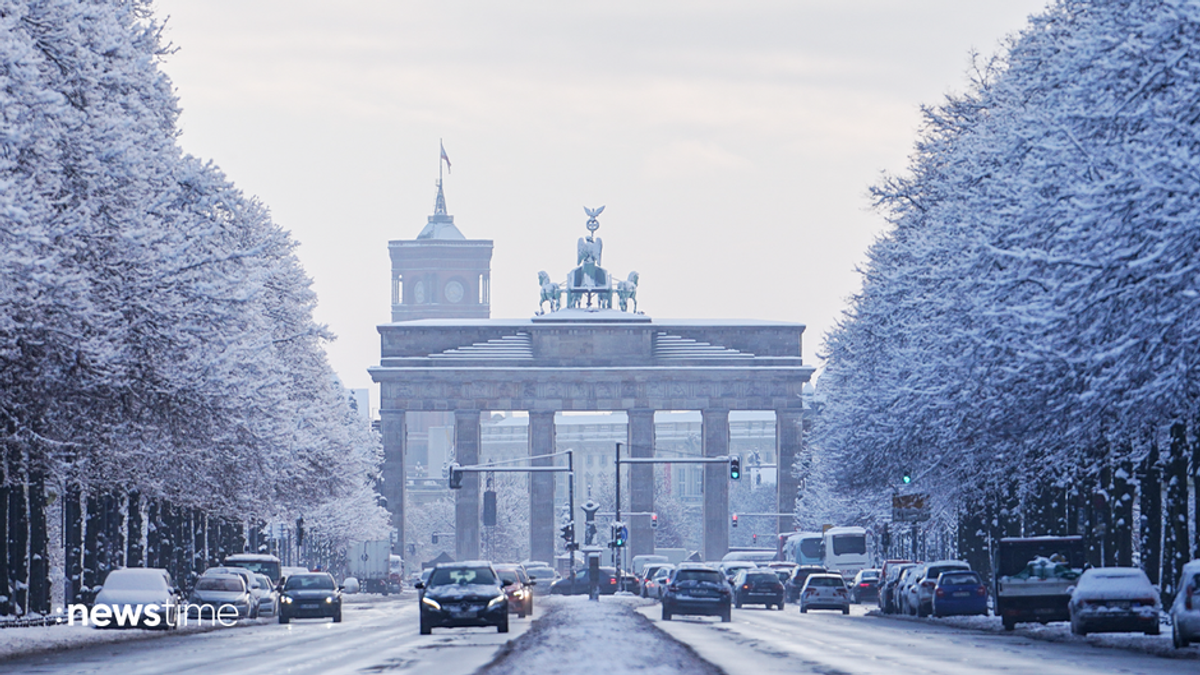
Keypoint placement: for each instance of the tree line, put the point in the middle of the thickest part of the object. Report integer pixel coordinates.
(163, 385)
(1025, 340)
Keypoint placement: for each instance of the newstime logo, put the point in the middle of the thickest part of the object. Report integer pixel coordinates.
(151, 615)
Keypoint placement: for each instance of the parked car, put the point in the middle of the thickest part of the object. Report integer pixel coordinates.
(463, 594)
(544, 575)
(257, 563)
(889, 575)
(795, 582)
(658, 584)
(696, 589)
(310, 596)
(865, 586)
(959, 592)
(920, 595)
(1185, 611)
(904, 591)
(757, 585)
(824, 591)
(1114, 600)
(215, 591)
(518, 587)
(139, 587)
(577, 582)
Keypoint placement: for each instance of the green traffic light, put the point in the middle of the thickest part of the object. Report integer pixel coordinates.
(907, 479)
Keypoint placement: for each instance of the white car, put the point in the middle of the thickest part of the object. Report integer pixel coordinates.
(824, 591)
(1185, 612)
(264, 590)
(251, 581)
(1114, 600)
(134, 590)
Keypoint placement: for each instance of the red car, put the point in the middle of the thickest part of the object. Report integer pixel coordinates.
(518, 587)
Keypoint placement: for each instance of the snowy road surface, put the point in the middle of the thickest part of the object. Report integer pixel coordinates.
(379, 635)
(765, 642)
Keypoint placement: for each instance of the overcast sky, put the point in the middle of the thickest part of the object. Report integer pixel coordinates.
(733, 142)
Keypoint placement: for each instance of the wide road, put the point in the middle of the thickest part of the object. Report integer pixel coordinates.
(765, 642)
(377, 635)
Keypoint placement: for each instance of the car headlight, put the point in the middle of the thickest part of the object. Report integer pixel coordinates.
(285, 599)
(329, 600)
(432, 603)
(497, 600)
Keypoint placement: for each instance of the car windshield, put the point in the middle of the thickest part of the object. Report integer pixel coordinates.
(310, 582)
(698, 575)
(958, 579)
(540, 572)
(461, 576)
(232, 584)
(825, 581)
(508, 577)
(121, 580)
(866, 576)
(810, 548)
(269, 568)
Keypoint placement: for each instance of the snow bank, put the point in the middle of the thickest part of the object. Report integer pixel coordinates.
(16, 642)
(578, 636)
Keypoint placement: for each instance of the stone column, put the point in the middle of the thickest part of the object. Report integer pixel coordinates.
(541, 489)
(395, 435)
(467, 434)
(789, 442)
(641, 482)
(714, 437)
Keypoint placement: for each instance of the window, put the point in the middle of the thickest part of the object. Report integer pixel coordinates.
(461, 576)
(850, 544)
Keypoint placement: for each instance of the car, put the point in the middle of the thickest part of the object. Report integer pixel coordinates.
(903, 590)
(920, 594)
(824, 591)
(732, 567)
(544, 575)
(140, 587)
(463, 594)
(796, 581)
(662, 577)
(247, 575)
(310, 596)
(215, 591)
(1185, 611)
(1114, 600)
(865, 586)
(782, 569)
(757, 585)
(268, 598)
(256, 563)
(888, 576)
(577, 583)
(696, 589)
(518, 587)
(959, 592)
(650, 585)
(630, 583)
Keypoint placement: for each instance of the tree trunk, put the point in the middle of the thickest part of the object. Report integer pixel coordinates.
(18, 549)
(1150, 489)
(73, 524)
(6, 605)
(135, 556)
(39, 552)
(1122, 500)
(92, 539)
(1175, 536)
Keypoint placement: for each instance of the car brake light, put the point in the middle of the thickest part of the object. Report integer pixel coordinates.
(981, 591)
(745, 586)
(1191, 591)
(863, 585)
(941, 593)
(612, 581)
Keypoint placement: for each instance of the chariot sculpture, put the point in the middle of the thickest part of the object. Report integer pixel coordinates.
(588, 283)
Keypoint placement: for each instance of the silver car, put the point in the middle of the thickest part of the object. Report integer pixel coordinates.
(215, 592)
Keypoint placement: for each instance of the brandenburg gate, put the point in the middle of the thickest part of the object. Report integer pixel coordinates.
(585, 354)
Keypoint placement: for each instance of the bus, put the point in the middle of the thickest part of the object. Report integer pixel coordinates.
(847, 550)
(804, 548)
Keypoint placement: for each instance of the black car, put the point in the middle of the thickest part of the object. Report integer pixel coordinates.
(698, 589)
(577, 582)
(757, 586)
(310, 596)
(796, 582)
(463, 594)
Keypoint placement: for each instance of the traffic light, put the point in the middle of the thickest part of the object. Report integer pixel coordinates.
(299, 531)
(568, 532)
(654, 521)
(735, 520)
(456, 476)
(735, 467)
(907, 477)
(620, 535)
(434, 537)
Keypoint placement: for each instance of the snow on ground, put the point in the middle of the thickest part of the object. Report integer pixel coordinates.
(579, 636)
(1060, 631)
(16, 642)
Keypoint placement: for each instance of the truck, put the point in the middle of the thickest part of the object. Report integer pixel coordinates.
(370, 563)
(1034, 576)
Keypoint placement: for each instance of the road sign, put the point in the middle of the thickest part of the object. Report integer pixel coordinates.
(911, 508)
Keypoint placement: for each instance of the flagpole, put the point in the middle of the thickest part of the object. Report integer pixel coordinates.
(440, 150)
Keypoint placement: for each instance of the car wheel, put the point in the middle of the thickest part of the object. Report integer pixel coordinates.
(337, 618)
(846, 609)
(666, 614)
(738, 604)
(426, 629)
(1154, 631)
(922, 612)
(283, 619)
(1011, 624)
(803, 609)
(727, 616)
(254, 611)
(502, 627)
(1077, 628)
(1177, 638)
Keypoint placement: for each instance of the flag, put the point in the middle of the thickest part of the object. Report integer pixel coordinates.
(445, 156)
